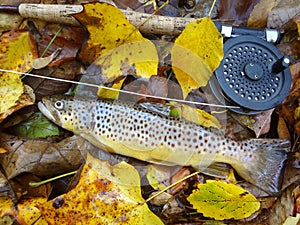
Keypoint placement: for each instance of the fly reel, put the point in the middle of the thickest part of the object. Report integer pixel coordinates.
(253, 75)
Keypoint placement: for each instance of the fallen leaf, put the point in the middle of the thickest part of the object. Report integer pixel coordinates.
(26, 211)
(40, 63)
(282, 129)
(27, 98)
(69, 48)
(235, 10)
(259, 15)
(196, 53)
(281, 16)
(37, 126)
(158, 176)
(221, 201)
(115, 47)
(17, 51)
(111, 94)
(259, 123)
(103, 195)
(195, 115)
(40, 156)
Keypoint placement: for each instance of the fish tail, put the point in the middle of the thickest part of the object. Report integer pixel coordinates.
(266, 165)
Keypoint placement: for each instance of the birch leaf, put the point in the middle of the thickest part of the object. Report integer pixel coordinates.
(221, 201)
(104, 195)
(115, 47)
(197, 52)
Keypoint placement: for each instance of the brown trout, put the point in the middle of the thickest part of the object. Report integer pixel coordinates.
(134, 131)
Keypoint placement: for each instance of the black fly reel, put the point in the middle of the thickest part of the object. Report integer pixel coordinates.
(253, 75)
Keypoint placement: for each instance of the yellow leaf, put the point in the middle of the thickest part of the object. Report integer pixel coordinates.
(111, 94)
(104, 195)
(115, 47)
(221, 201)
(26, 211)
(195, 115)
(17, 51)
(158, 176)
(197, 52)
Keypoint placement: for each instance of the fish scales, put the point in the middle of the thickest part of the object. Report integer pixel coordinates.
(134, 131)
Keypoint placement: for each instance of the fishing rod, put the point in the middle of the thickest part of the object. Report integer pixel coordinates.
(146, 23)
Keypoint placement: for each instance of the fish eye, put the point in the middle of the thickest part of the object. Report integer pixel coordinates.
(59, 105)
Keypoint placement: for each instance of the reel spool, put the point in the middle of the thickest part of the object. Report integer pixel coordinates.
(253, 75)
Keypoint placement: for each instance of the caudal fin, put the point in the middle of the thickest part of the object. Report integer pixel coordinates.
(266, 165)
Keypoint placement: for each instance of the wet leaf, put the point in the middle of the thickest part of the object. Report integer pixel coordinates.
(259, 124)
(197, 52)
(235, 10)
(26, 211)
(37, 126)
(40, 156)
(158, 176)
(40, 63)
(111, 94)
(281, 16)
(104, 195)
(17, 51)
(259, 15)
(220, 201)
(195, 115)
(115, 47)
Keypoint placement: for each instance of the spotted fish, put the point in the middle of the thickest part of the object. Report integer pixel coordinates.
(137, 132)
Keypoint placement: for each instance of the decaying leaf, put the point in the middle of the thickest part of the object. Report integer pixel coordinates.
(115, 47)
(104, 195)
(40, 156)
(197, 52)
(235, 10)
(158, 176)
(17, 51)
(260, 123)
(45, 61)
(26, 211)
(195, 115)
(281, 16)
(221, 201)
(259, 15)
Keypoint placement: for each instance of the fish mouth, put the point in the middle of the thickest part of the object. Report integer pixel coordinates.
(42, 107)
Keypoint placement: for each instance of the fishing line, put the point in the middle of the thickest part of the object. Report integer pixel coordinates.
(114, 89)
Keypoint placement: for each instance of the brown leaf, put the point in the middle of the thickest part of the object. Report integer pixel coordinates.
(68, 48)
(282, 129)
(280, 17)
(236, 10)
(43, 87)
(259, 15)
(41, 156)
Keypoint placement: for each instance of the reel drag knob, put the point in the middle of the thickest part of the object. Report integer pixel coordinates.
(253, 75)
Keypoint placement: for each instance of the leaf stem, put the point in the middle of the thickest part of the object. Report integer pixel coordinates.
(211, 8)
(36, 184)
